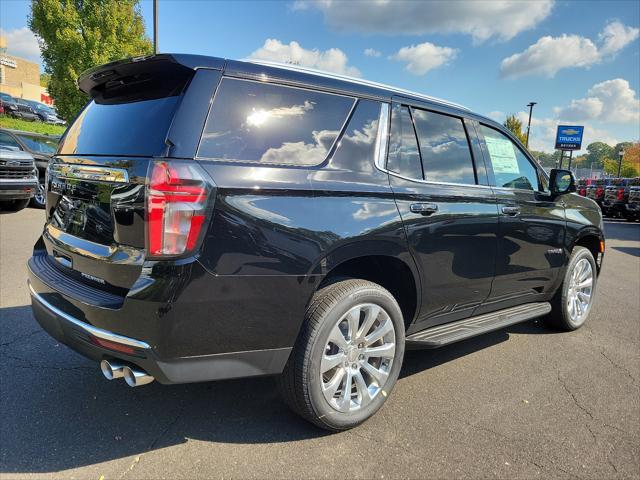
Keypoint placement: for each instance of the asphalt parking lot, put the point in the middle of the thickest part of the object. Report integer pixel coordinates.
(522, 403)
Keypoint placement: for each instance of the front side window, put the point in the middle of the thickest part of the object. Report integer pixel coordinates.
(404, 157)
(272, 124)
(511, 168)
(444, 148)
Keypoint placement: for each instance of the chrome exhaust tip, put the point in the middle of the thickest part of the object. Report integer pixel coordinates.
(136, 377)
(112, 369)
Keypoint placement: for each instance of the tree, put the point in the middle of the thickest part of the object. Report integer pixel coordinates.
(598, 153)
(75, 35)
(515, 126)
(546, 160)
(44, 80)
(630, 161)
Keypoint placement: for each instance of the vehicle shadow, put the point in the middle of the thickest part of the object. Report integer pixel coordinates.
(59, 413)
(635, 251)
(622, 230)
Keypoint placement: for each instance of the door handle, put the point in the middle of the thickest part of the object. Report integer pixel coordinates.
(424, 208)
(513, 211)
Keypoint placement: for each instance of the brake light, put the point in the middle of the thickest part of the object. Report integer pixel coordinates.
(621, 194)
(583, 192)
(177, 199)
(599, 191)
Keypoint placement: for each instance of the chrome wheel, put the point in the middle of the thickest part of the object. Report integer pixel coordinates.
(39, 196)
(357, 357)
(580, 291)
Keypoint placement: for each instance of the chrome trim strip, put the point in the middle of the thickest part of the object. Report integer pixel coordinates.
(360, 81)
(95, 331)
(90, 172)
(383, 136)
(26, 180)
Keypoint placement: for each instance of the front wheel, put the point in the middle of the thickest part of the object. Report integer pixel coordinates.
(572, 303)
(38, 200)
(347, 357)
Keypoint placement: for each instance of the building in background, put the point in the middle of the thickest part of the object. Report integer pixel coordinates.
(20, 78)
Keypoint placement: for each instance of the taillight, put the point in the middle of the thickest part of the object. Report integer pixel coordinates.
(177, 203)
(583, 192)
(621, 194)
(599, 191)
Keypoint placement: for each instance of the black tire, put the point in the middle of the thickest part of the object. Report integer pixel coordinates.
(38, 200)
(560, 317)
(14, 205)
(300, 384)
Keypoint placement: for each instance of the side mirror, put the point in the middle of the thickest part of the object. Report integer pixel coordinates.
(561, 181)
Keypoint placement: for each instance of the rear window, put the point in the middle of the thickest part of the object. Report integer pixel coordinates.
(137, 128)
(272, 124)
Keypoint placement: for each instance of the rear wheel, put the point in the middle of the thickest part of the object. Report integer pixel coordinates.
(572, 303)
(347, 357)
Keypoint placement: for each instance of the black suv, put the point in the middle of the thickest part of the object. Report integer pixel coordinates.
(210, 219)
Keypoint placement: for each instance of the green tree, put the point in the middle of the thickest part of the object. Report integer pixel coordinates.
(515, 126)
(547, 160)
(44, 80)
(598, 153)
(75, 35)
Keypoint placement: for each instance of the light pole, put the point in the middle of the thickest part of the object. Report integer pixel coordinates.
(620, 155)
(530, 105)
(155, 27)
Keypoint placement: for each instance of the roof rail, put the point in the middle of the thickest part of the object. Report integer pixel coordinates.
(399, 91)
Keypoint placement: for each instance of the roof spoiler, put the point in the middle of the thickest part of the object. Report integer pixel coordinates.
(129, 72)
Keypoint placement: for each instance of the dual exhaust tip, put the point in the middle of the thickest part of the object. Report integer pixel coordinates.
(134, 376)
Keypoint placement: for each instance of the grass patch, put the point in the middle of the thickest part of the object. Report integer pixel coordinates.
(35, 127)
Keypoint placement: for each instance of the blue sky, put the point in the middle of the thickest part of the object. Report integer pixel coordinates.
(580, 60)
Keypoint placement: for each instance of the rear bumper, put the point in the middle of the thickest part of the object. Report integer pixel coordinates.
(80, 336)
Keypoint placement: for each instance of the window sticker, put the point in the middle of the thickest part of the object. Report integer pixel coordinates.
(503, 155)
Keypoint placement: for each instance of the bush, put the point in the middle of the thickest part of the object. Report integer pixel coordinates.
(35, 127)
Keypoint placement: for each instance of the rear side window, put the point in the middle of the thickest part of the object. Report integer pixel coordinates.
(511, 168)
(444, 148)
(357, 146)
(404, 157)
(272, 124)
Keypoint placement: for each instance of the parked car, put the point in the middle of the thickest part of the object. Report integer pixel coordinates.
(25, 111)
(595, 191)
(41, 147)
(633, 204)
(294, 225)
(582, 187)
(18, 179)
(8, 105)
(45, 113)
(616, 196)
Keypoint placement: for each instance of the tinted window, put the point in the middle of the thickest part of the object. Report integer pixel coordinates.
(403, 146)
(357, 146)
(511, 168)
(265, 123)
(7, 141)
(443, 147)
(133, 128)
(39, 144)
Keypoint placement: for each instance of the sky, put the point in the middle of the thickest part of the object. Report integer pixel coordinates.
(579, 60)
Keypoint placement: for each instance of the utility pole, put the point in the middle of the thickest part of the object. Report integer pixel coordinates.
(155, 27)
(530, 105)
(620, 155)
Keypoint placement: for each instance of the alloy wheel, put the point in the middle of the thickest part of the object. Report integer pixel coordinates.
(357, 357)
(580, 291)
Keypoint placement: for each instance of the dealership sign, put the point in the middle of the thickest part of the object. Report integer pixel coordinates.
(569, 137)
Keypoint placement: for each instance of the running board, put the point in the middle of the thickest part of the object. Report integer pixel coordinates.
(470, 327)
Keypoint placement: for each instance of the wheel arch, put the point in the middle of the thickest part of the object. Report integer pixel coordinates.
(590, 238)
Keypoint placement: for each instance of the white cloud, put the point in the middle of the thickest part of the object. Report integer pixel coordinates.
(480, 19)
(21, 42)
(332, 60)
(372, 52)
(610, 101)
(550, 54)
(424, 57)
(616, 36)
(497, 115)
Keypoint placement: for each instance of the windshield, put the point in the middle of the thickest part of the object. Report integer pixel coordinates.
(40, 144)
